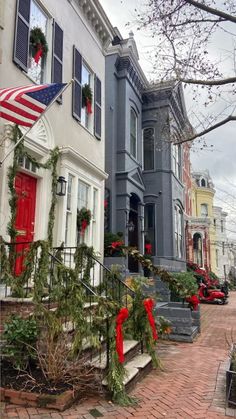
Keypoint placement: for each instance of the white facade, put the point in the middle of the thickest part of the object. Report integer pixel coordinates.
(221, 244)
(84, 27)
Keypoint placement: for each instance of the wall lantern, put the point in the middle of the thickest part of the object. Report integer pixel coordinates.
(61, 186)
(130, 226)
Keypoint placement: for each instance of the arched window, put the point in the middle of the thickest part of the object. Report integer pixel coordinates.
(133, 133)
(197, 248)
(148, 149)
(203, 183)
(178, 231)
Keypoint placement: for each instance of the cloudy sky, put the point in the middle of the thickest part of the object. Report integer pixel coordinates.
(219, 154)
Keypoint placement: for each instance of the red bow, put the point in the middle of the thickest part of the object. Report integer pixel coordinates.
(148, 249)
(149, 304)
(121, 317)
(88, 106)
(84, 225)
(114, 245)
(39, 53)
(194, 301)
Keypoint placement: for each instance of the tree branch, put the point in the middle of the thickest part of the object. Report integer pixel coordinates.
(190, 21)
(212, 11)
(219, 82)
(207, 130)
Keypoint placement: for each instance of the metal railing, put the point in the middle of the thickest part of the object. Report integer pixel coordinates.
(97, 281)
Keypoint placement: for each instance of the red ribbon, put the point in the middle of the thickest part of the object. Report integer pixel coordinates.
(84, 225)
(194, 301)
(39, 53)
(149, 304)
(121, 317)
(148, 248)
(88, 106)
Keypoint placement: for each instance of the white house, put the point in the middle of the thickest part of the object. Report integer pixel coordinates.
(77, 34)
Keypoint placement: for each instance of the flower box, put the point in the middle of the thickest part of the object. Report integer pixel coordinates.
(231, 381)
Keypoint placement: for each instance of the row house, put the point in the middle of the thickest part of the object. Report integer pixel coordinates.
(144, 191)
(77, 33)
(222, 244)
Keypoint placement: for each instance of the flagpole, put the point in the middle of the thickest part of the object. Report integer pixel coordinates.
(35, 122)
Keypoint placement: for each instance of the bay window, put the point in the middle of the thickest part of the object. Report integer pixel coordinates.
(133, 133)
(148, 149)
(178, 232)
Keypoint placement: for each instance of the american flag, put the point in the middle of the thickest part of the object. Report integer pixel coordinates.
(24, 105)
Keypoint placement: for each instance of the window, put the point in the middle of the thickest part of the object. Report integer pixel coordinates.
(83, 201)
(133, 133)
(223, 248)
(204, 210)
(148, 149)
(203, 183)
(86, 113)
(178, 232)
(29, 17)
(177, 161)
(68, 208)
(149, 225)
(217, 258)
(95, 218)
(214, 222)
(197, 249)
(89, 116)
(222, 226)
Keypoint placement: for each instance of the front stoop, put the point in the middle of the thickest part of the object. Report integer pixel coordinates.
(185, 324)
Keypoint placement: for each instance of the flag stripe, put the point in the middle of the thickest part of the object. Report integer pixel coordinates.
(15, 120)
(19, 111)
(3, 92)
(31, 103)
(16, 115)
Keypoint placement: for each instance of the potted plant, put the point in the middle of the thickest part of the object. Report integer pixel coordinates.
(113, 249)
(147, 255)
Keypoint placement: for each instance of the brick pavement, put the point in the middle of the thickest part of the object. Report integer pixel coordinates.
(190, 384)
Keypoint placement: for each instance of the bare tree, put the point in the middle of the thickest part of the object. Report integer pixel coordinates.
(183, 33)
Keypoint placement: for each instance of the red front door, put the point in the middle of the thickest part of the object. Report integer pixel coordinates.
(25, 187)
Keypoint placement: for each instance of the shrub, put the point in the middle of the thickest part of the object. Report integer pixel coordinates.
(21, 336)
(188, 282)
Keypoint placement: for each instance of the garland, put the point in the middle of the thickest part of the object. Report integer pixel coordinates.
(87, 98)
(83, 219)
(17, 284)
(39, 43)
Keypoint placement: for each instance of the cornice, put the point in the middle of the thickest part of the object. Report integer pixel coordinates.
(97, 18)
(126, 65)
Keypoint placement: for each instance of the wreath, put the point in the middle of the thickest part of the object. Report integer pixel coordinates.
(83, 219)
(87, 97)
(39, 43)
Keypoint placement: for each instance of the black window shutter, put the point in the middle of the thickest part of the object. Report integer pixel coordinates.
(57, 55)
(77, 89)
(22, 30)
(98, 108)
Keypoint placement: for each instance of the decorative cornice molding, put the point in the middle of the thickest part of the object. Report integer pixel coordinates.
(125, 65)
(97, 18)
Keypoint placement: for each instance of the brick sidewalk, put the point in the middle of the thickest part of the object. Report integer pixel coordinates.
(191, 384)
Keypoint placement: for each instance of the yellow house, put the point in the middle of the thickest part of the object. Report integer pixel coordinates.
(202, 212)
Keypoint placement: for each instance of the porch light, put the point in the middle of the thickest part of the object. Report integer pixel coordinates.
(130, 226)
(61, 186)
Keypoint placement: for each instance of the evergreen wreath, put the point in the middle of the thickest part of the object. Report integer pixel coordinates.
(37, 40)
(87, 95)
(83, 216)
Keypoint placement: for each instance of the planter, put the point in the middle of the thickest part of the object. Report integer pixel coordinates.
(23, 398)
(115, 260)
(231, 382)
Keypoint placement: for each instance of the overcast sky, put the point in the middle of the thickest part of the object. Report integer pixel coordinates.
(220, 159)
